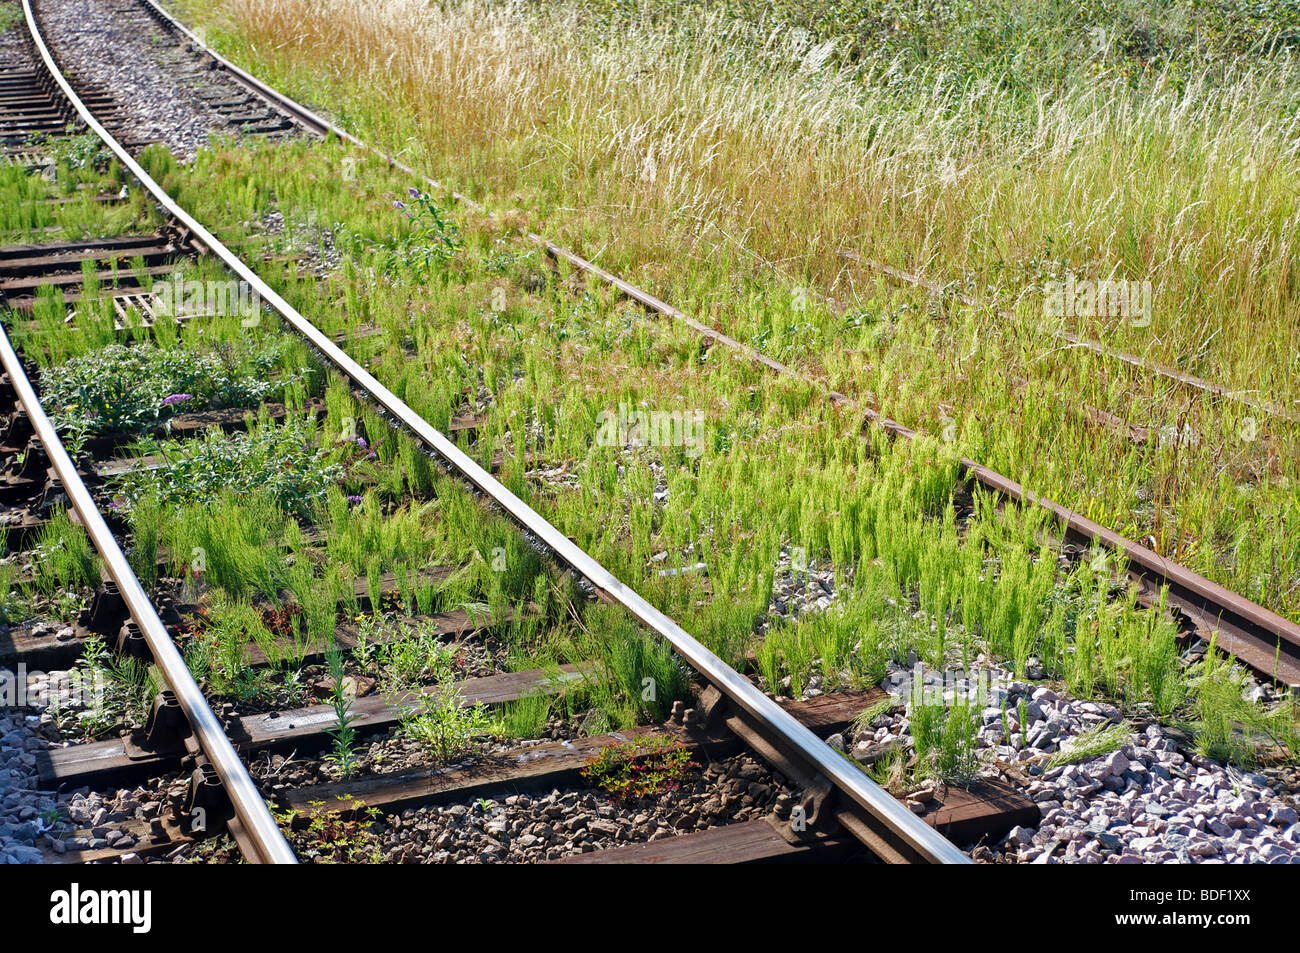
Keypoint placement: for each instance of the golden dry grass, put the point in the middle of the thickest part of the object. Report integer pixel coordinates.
(776, 153)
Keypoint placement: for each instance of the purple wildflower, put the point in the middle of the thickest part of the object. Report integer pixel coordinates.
(361, 442)
(413, 192)
(398, 203)
(354, 500)
(176, 399)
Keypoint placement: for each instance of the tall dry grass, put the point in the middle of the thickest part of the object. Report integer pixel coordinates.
(675, 142)
(694, 157)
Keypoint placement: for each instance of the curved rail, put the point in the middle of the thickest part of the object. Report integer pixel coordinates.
(1259, 637)
(922, 839)
(1074, 340)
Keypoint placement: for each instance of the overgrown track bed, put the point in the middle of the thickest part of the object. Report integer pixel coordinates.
(921, 569)
(1262, 639)
(308, 547)
(600, 341)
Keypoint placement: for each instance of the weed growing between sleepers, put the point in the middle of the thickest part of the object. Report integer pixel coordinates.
(895, 502)
(1016, 599)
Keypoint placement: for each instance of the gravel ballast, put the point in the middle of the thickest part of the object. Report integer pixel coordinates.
(527, 828)
(166, 90)
(1152, 800)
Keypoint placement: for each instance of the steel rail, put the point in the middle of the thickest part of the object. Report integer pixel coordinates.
(250, 808)
(1261, 638)
(1075, 340)
(928, 843)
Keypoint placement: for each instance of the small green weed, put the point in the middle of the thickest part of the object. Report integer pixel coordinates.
(945, 741)
(1096, 741)
(344, 734)
(637, 769)
(444, 724)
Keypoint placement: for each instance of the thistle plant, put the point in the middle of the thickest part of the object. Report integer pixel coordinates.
(432, 239)
(343, 755)
(116, 388)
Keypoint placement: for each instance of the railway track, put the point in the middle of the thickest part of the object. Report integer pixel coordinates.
(1263, 640)
(728, 716)
(1182, 378)
(827, 808)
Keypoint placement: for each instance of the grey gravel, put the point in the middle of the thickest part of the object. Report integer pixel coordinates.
(14, 52)
(1148, 801)
(800, 585)
(522, 828)
(165, 88)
